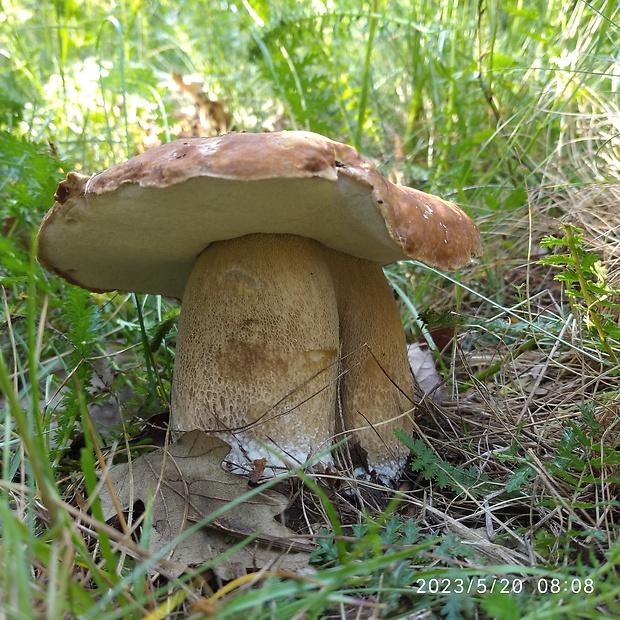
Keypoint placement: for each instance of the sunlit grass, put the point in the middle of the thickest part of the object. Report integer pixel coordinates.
(508, 108)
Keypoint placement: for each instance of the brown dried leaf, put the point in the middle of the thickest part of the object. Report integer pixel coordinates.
(257, 471)
(187, 483)
(422, 364)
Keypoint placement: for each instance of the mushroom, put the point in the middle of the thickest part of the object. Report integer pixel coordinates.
(289, 335)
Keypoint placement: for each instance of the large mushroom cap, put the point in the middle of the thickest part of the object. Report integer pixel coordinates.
(140, 226)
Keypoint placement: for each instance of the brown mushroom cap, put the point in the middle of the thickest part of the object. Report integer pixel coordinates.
(140, 226)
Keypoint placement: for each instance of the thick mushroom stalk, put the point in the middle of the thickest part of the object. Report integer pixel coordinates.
(273, 329)
(257, 349)
(376, 387)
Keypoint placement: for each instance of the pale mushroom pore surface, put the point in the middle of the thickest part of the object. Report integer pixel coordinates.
(140, 226)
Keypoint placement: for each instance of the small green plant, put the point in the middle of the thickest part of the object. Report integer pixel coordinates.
(83, 325)
(584, 455)
(444, 474)
(394, 586)
(29, 174)
(589, 292)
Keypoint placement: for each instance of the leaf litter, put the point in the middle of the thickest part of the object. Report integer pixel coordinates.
(185, 482)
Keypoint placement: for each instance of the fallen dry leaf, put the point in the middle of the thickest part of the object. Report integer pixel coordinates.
(422, 364)
(188, 483)
(257, 471)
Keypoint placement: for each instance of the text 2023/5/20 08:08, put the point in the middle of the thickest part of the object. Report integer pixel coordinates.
(505, 585)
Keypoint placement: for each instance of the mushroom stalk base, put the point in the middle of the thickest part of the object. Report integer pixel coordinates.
(285, 345)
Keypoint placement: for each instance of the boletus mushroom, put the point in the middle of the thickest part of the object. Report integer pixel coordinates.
(289, 335)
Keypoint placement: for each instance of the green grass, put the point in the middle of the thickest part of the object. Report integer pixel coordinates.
(509, 109)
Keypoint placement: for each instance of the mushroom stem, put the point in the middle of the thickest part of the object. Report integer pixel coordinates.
(376, 386)
(257, 349)
(264, 320)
